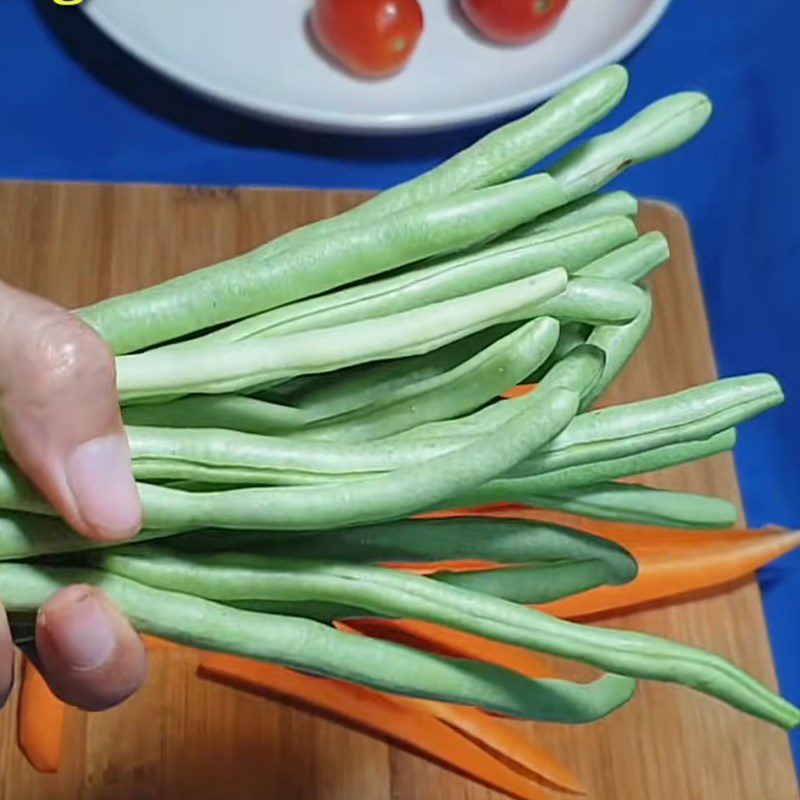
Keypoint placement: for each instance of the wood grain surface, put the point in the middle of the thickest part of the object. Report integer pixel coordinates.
(186, 739)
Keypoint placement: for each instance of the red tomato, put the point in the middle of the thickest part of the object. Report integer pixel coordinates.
(513, 21)
(373, 38)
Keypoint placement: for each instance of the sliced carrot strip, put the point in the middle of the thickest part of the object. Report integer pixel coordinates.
(428, 567)
(375, 712)
(157, 645)
(519, 391)
(40, 721)
(505, 742)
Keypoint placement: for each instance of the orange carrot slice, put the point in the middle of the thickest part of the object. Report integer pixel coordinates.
(375, 712)
(40, 721)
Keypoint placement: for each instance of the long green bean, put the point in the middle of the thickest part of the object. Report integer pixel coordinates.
(216, 369)
(632, 262)
(514, 148)
(525, 585)
(502, 541)
(230, 457)
(595, 206)
(24, 535)
(661, 127)
(385, 591)
(265, 278)
(365, 384)
(470, 385)
(570, 247)
(232, 411)
(631, 428)
(388, 496)
(578, 372)
(312, 647)
(519, 490)
(598, 301)
(630, 502)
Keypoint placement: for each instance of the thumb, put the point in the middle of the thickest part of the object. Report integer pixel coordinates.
(60, 418)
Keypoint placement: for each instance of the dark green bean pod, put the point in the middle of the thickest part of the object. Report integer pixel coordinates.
(502, 541)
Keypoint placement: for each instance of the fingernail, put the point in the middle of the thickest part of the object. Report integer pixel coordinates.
(79, 628)
(99, 475)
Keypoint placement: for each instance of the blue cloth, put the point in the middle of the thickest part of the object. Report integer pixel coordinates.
(75, 108)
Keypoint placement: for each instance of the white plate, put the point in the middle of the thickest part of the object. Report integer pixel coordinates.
(254, 55)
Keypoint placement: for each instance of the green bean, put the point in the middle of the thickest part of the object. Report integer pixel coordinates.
(594, 206)
(525, 585)
(619, 343)
(388, 496)
(594, 300)
(356, 387)
(25, 535)
(577, 372)
(266, 278)
(232, 411)
(530, 585)
(501, 541)
(658, 129)
(385, 591)
(225, 456)
(470, 385)
(519, 490)
(570, 247)
(319, 612)
(630, 502)
(514, 148)
(631, 428)
(216, 369)
(632, 262)
(319, 649)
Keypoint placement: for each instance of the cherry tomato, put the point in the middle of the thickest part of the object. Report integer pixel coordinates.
(372, 38)
(513, 21)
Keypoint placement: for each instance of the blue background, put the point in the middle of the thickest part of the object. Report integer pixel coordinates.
(73, 107)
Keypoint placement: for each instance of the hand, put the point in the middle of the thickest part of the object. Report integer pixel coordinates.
(60, 422)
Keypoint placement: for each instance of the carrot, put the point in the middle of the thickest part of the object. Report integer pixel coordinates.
(385, 715)
(672, 562)
(428, 567)
(155, 645)
(40, 721)
(519, 391)
(505, 742)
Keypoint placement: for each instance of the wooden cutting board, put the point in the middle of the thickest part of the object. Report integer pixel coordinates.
(186, 739)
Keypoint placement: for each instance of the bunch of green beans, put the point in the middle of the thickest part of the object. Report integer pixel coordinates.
(294, 412)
